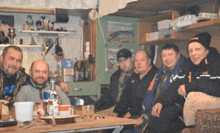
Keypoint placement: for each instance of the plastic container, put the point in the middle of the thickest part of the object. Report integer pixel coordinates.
(24, 111)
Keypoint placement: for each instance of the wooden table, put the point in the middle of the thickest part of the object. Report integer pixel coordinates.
(78, 126)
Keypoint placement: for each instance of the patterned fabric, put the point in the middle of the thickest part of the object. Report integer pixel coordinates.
(9, 90)
(12, 89)
(162, 79)
(121, 84)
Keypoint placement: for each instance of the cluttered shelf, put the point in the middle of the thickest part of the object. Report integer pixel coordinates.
(52, 33)
(148, 34)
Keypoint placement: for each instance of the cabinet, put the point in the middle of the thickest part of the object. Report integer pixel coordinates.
(147, 26)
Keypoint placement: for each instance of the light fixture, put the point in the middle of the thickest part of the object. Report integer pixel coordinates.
(32, 10)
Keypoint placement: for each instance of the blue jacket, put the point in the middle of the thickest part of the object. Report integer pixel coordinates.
(149, 100)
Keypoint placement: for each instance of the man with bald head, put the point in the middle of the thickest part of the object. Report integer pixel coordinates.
(130, 103)
(38, 83)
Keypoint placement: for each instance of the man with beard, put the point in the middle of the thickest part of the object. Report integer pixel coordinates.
(12, 75)
(38, 83)
(118, 82)
(199, 74)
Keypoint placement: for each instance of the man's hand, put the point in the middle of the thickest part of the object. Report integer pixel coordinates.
(127, 115)
(143, 116)
(65, 87)
(113, 114)
(156, 109)
(181, 90)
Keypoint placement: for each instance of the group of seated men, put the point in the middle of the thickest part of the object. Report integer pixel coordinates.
(138, 89)
(17, 86)
(166, 98)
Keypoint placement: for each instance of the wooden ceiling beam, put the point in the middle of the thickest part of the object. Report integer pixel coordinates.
(34, 10)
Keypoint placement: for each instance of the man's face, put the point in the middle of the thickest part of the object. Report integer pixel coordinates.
(141, 62)
(197, 52)
(12, 62)
(125, 64)
(40, 73)
(169, 57)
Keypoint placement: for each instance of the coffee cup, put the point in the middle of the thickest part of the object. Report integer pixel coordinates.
(66, 110)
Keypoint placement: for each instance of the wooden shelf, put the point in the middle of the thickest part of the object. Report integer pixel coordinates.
(49, 33)
(175, 37)
(148, 25)
(212, 26)
(145, 26)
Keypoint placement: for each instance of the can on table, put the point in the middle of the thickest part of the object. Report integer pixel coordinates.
(49, 94)
(52, 107)
(40, 110)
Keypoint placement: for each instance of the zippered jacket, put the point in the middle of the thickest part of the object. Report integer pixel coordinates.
(150, 95)
(204, 77)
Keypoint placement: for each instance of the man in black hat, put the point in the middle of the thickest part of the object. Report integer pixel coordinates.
(200, 73)
(130, 103)
(118, 81)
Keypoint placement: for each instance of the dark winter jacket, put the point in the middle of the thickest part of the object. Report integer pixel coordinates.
(205, 77)
(133, 94)
(20, 79)
(108, 99)
(150, 95)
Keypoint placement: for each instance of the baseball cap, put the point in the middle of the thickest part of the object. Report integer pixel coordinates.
(124, 53)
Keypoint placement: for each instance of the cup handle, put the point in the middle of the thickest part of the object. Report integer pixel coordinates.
(71, 111)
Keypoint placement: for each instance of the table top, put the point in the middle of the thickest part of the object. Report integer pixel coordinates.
(106, 121)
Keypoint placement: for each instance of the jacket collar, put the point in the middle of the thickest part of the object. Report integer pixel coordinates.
(30, 82)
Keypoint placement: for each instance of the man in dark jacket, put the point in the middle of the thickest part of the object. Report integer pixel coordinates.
(118, 82)
(171, 59)
(12, 75)
(199, 73)
(130, 103)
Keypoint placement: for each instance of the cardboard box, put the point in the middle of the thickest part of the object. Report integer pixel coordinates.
(204, 15)
(163, 33)
(164, 24)
(68, 71)
(151, 36)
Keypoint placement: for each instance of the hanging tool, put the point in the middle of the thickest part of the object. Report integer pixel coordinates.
(59, 51)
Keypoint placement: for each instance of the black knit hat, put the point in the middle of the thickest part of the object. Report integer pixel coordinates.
(124, 53)
(203, 38)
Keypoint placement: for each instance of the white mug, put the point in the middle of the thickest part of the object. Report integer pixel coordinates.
(66, 110)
